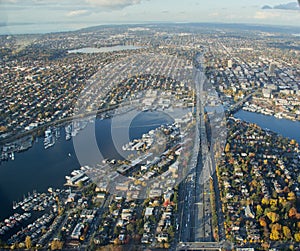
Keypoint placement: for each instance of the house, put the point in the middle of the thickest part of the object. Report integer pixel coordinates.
(77, 231)
(249, 213)
(149, 211)
(162, 237)
(126, 214)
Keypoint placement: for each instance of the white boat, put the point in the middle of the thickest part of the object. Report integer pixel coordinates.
(68, 130)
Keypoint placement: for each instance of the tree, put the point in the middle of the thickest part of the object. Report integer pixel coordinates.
(297, 237)
(56, 245)
(28, 242)
(287, 232)
(276, 227)
(274, 236)
(227, 148)
(80, 184)
(291, 196)
(259, 210)
(273, 216)
(130, 227)
(262, 222)
(273, 202)
(117, 241)
(265, 201)
(292, 212)
(171, 231)
(166, 245)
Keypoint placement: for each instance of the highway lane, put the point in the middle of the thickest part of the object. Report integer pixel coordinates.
(195, 218)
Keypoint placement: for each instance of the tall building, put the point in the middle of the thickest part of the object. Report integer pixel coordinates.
(272, 68)
(229, 63)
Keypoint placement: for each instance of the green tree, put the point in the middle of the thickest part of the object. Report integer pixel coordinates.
(130, 228)
(80, 184)
(259, 210)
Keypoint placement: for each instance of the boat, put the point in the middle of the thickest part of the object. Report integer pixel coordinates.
(57, 133)
(15, 205)
(12, 156)
(68, 130)
(48, 140)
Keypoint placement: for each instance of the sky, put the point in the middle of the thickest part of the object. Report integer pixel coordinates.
(97, 12)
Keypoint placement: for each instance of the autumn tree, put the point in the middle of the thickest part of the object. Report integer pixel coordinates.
(273, 216)
(297, 237)
(265, 201)
(28, 242)
(274, 236)
(292, 212)
(56, 245)
(291, 196)
(287, 232)
(227, 148)
(262, 222)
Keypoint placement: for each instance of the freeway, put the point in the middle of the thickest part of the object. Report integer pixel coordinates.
(184, 246)
(194, 195)
(203, 229)
(239, 104)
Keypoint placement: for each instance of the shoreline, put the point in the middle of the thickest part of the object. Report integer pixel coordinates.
(266, 124)
(32, 132)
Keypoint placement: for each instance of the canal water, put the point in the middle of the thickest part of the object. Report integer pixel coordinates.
(38, 169)
(284, 127)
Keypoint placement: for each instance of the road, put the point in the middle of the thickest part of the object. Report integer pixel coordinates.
(96, 223)
(55, 123)
(194, 195)
(239, 104)
(198, 246)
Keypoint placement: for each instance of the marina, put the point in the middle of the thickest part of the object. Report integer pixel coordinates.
(26, 173)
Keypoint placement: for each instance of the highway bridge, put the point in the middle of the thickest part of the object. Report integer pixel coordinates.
(186, 246)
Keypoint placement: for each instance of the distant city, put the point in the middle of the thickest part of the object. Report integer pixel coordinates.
(211, 160)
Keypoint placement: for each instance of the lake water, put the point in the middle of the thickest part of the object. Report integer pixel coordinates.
(88, 50)
(38, 169)
(284, 127)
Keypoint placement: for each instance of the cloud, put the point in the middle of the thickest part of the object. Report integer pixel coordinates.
(113, 4)
(287, 6)
(76, 13)
(267, 7)
(86, 4)
(265, 15)
(215, 14)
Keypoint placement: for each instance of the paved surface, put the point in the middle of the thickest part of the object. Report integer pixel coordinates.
(194, 196)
